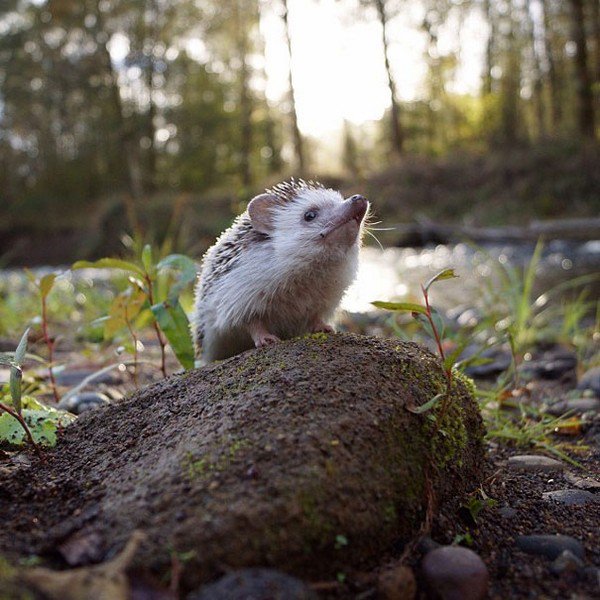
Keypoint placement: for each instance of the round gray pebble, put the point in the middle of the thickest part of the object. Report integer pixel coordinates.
(550, 546)
(83, 401)
(570, 497)
(566, 561)
(575, 406)
(590, 380)
(455, 573)
(255, 584)
(534, 462)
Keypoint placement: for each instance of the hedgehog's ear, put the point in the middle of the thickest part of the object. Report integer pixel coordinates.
(261, 212)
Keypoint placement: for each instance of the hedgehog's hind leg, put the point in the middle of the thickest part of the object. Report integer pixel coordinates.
(260, 335)
(219, 344)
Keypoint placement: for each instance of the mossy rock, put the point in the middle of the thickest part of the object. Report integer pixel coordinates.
(301, 456)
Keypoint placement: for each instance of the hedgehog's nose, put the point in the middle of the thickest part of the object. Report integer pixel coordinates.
(357, 198)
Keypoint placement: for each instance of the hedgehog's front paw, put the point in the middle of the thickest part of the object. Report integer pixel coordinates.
(261, 336)
(266, 340)
(321, 327)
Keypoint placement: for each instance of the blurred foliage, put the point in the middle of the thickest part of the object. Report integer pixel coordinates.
(112, 110)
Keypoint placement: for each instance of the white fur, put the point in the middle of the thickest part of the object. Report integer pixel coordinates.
(289, 282)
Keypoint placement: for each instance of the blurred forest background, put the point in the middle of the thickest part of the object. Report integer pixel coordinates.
(161, 118)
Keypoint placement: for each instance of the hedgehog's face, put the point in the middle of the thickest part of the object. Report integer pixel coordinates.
(317, 224)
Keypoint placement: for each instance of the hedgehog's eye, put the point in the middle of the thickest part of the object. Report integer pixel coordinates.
(310, 215)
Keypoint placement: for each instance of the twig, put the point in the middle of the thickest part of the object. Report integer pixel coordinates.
(135, 350)
(50, 346)
(163, 365)
(19, 418)
(447, 370)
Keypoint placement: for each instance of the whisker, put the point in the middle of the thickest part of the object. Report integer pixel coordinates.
(373, 236)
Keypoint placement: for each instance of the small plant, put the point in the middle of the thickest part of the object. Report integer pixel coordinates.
(44, 286)
(152, 294)
(16, 375)
(431, 321)
(27, 419)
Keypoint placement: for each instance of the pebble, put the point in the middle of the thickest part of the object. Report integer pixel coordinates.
(570, 497)
(8, 345)
(547, 369)
(590, 380)
(258, 584)
(507, 512)
(397, 583)
(583, 483)
(426, 544)
(534, 462)
(575, 406)
(72, 377)
(500, 360)
(455, 573)
(83, 401)
(550, 546)
(566, 561)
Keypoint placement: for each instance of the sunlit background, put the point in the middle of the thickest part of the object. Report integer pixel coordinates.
(159, 119)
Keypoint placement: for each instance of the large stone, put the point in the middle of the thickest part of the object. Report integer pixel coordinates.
(302, 456)
(455, 573)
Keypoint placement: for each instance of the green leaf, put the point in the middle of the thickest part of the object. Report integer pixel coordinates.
(46, 284)
(425, 324)
(22, 347)
(147, 260)
(175, 325)
(445, 274)
(188, 273)
(124, 309)
(16, 375)
(43, 422)
(427, 406)
(110, 263)
(438, 321)
(401, 306)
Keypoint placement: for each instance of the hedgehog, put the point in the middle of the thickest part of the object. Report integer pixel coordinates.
(279, 271)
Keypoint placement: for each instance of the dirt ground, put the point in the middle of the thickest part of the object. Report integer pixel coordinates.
(52, 508)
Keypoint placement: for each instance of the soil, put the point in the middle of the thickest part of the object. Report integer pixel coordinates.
(65, 490)
(300, 456)
(515, 574)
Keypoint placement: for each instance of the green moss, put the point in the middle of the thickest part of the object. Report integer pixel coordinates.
(10, 586)
(318, 529)
(319, 336)
(458, 375)
(202, 468)
(390, 513)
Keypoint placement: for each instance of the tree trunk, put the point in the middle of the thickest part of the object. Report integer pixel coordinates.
(511, 83)
(244, 95)
(553, 79)
(128, 149)
(150, 128)
(397, 134)
(489, 49)
(596, 34)
(150, 24)
(585, 110)
(538, 87)
(296, 135)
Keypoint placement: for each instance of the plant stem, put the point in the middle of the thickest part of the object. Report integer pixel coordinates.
(447, 370)
(135, 350)
(50, 346)
(163, 358)
(19, 418)
(433, 328)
